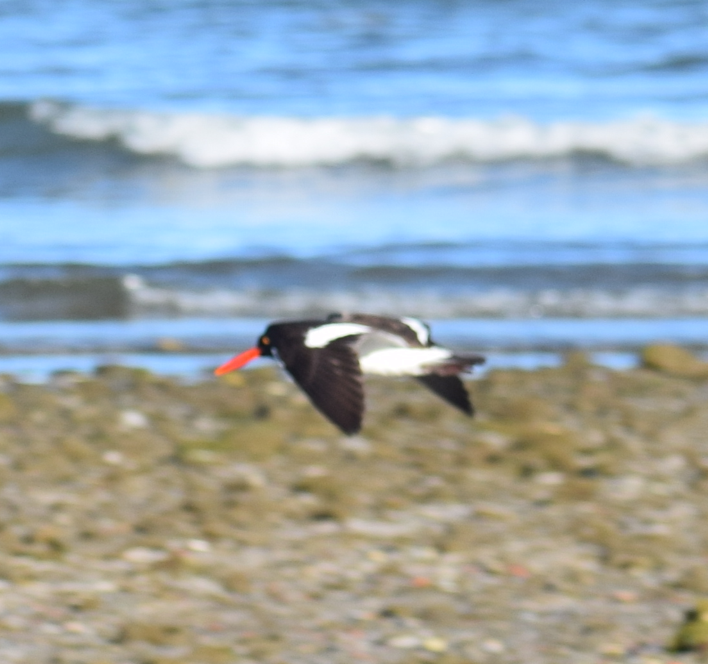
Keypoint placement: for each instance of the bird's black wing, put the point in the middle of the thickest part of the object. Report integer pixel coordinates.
(331, 378)
(450, 388)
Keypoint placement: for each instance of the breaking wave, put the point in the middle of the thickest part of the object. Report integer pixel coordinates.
(212, 141)
(646, 302)
(133, 297)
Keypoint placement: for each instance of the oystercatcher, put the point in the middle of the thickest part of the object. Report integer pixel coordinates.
(327, 358)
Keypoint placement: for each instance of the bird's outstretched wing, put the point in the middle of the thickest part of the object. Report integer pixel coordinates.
(450, 388)
(331, 378)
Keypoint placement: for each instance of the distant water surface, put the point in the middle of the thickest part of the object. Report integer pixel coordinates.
(239, 161)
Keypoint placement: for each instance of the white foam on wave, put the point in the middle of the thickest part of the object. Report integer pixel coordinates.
(638, 302)
(212, 141)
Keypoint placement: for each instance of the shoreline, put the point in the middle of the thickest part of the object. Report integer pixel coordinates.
(39, 367)
(149, 519)
(203, 335)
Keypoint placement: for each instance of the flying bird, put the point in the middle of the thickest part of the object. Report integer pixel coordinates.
(327, 359)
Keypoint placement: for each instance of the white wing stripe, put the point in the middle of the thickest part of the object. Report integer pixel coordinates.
(319, 337)
(421, 329)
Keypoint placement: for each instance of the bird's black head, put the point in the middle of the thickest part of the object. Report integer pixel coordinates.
(265, 345)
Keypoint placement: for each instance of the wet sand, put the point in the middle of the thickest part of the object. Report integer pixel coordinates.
(146, 521)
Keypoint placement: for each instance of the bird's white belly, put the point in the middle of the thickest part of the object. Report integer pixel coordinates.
(402, 361)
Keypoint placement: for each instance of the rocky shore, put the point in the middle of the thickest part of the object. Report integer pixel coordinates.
(148, 521)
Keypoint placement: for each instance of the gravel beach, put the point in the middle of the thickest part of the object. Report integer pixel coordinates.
(146, 520)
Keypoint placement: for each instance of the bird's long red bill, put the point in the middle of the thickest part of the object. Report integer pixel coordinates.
(238, 361)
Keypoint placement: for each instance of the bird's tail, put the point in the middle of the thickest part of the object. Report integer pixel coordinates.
(459, 364)
(469, 361)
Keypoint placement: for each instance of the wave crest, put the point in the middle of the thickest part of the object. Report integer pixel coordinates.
(213, 141)
(131, 297)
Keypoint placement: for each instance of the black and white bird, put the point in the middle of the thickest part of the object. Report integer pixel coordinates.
(327, 358)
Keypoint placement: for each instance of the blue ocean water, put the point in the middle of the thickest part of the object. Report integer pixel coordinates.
(215, 161)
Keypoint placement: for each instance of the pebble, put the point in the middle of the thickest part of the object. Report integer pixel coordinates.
(377, 556)
(198, 545)
(625, 596)
(435, 644)
(550, 478)
(133, 419)
(405, 641)
(612, 649)
(170, 345)
(493, 646)
(357, 445)
(423, 535)
(384, 529)
(113, 457)
(76, 627)
(141, 554)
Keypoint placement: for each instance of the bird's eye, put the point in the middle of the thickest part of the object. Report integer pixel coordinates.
(265, 340)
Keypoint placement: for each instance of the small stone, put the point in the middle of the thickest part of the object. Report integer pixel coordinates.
(435, 644)
(693, 633)
(200, 456)
(577, 360)
(315, 471)
(356, 445)
(113, 457)
(50, 628)
(674, 360)
(404, 641)
(377, 556)
(611, 649)
(141, 554)
(236, 581)
(626, 487)
(234, 379)
(550, 478)
(421, 582)
(169, 345)
(133, 419)
(199, 546)
(625, 596)
(277, 389)
(493, 646)
(494, 439)
(519, 571)
(422, 553)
